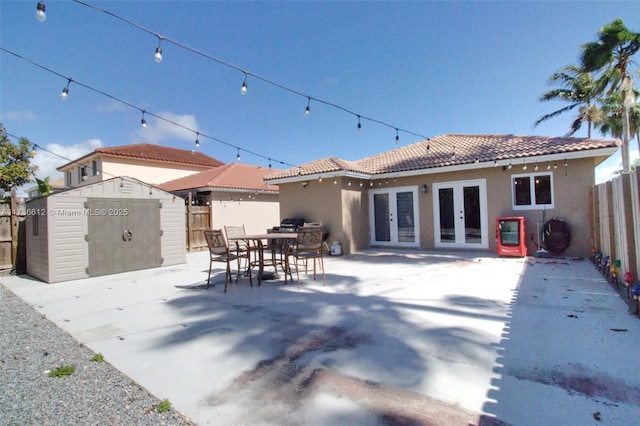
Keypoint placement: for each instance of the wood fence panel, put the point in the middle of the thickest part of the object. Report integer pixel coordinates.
(13, 252)
(198, 218)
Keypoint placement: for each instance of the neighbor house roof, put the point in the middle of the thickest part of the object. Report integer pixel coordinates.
(151, 152)
(233, 176)
(451, 150)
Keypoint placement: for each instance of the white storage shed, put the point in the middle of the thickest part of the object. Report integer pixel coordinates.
(117, 225)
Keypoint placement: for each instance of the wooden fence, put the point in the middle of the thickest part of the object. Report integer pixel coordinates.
(13, 252)
(616, 226)
(198, 218)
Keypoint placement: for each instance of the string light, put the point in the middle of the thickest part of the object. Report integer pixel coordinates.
(197, 141)
(238, 68)
(359, 125)
(65, 92)
(535, 167)
(159, 117)
(40, 11)
(158, 55)
(307, 110)
(143, 122)
(397, 137)
(243, 89)
(238, 156)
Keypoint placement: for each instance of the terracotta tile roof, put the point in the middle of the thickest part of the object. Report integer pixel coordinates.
(151, 152)
(147, 151)
(231, 176)
(450, 150)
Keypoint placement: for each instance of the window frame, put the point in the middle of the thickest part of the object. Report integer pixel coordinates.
(532, 190)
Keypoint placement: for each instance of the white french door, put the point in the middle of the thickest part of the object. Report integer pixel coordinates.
(393, 218)
(460, 214)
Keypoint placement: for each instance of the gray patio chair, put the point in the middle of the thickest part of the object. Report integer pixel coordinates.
(219, 252)
(241, 248)
(307, 246)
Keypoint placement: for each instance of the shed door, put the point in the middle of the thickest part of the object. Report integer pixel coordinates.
(124, 235)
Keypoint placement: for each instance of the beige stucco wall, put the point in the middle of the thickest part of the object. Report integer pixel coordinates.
(147, 171)
(256, 215)
(344, 208)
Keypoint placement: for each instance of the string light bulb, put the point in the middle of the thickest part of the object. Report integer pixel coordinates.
(197, 140)
(243, 89)
(158, 55)
(41, 16)
(238, 156)
(307, 110)
(397, 137)
(359, 125)
(143, 122)
(65, 92)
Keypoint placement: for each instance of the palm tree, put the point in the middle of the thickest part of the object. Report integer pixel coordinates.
(610, 56)
(579, 89)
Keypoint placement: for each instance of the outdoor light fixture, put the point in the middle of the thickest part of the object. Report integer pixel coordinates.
(307, 110)
(359, 125)
(197, 141)
(304, 184)
(243, 89)
(65, 92)
(535, 167)
(40, 11)
(143, 122)
(424, 189)
(158, 55)
(238, 156)
(397, 137)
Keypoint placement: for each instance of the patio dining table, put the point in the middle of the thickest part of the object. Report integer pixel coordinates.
(259, 240)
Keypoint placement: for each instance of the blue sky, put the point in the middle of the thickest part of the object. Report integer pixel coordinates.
(428, 67)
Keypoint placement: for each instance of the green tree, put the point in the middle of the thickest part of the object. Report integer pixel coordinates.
(15, 163)
(44, 187)
(579, 89)
(610, 57)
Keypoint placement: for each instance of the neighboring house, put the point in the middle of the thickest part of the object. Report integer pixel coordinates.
(57, 185)
(236, 193)
(446, 192)
(149, 163)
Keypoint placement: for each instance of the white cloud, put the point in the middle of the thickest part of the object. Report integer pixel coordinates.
(19, 116)
(159, 130)
(55, 155)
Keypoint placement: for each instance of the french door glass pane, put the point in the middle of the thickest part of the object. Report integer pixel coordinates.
(404, 207)
(381, 217)
(472, 231)
(447, 227)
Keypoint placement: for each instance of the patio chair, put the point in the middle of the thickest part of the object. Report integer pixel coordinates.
(308, 245)
(219, 252)
(241, 248)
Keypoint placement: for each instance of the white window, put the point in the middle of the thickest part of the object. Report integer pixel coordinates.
(82, 174)
(94, 168)
(532, 191)
(68, 179)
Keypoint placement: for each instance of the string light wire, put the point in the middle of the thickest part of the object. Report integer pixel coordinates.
(159, 117)
(248, 73)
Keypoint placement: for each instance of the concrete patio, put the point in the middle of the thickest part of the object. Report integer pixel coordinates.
(395, 338)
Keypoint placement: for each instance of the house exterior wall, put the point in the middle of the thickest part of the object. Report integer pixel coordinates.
(344, 208)
(256, 215)
(317, 202)
(147, 171)
(60, 252)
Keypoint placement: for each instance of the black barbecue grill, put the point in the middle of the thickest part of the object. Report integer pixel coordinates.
(291, 224)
